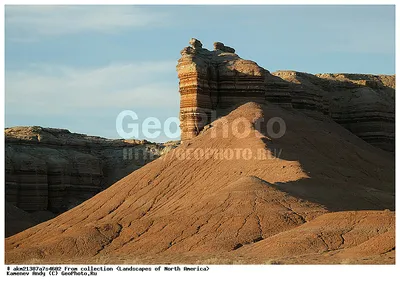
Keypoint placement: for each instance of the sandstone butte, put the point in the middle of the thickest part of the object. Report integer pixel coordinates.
(325, 194)
(218, 79)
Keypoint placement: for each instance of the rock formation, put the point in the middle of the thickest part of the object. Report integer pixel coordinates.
(223, 48)
(210, 80)
(213, 80)
(363, 104)
(306, 205)
(317, 194)
(54, 169)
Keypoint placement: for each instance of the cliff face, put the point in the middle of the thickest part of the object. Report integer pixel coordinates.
(363, 104)
(220, 79)
(53, 169)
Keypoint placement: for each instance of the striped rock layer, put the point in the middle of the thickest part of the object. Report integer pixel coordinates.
(54, 170)
(210, 81)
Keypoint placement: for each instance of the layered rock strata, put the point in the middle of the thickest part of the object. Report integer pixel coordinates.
(54, 169)
(363, 104)
(219, 79)
(213, 80)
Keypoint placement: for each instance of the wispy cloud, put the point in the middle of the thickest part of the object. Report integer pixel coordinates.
(30, 21)
(60, 90)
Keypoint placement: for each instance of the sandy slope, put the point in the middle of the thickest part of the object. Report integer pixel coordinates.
(177, 209)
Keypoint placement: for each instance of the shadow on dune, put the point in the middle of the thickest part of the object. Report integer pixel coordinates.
(344, 172)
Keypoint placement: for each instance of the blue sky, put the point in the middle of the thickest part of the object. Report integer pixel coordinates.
(77, 67)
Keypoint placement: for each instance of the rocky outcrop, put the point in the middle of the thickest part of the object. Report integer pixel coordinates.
(363, 104)
(305, 96)
(210, 80)
(219, 79)
(54, 169)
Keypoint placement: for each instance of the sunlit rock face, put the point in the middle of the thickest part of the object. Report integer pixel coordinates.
(219, 79)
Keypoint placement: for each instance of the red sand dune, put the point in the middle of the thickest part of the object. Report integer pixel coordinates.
(320, 201)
